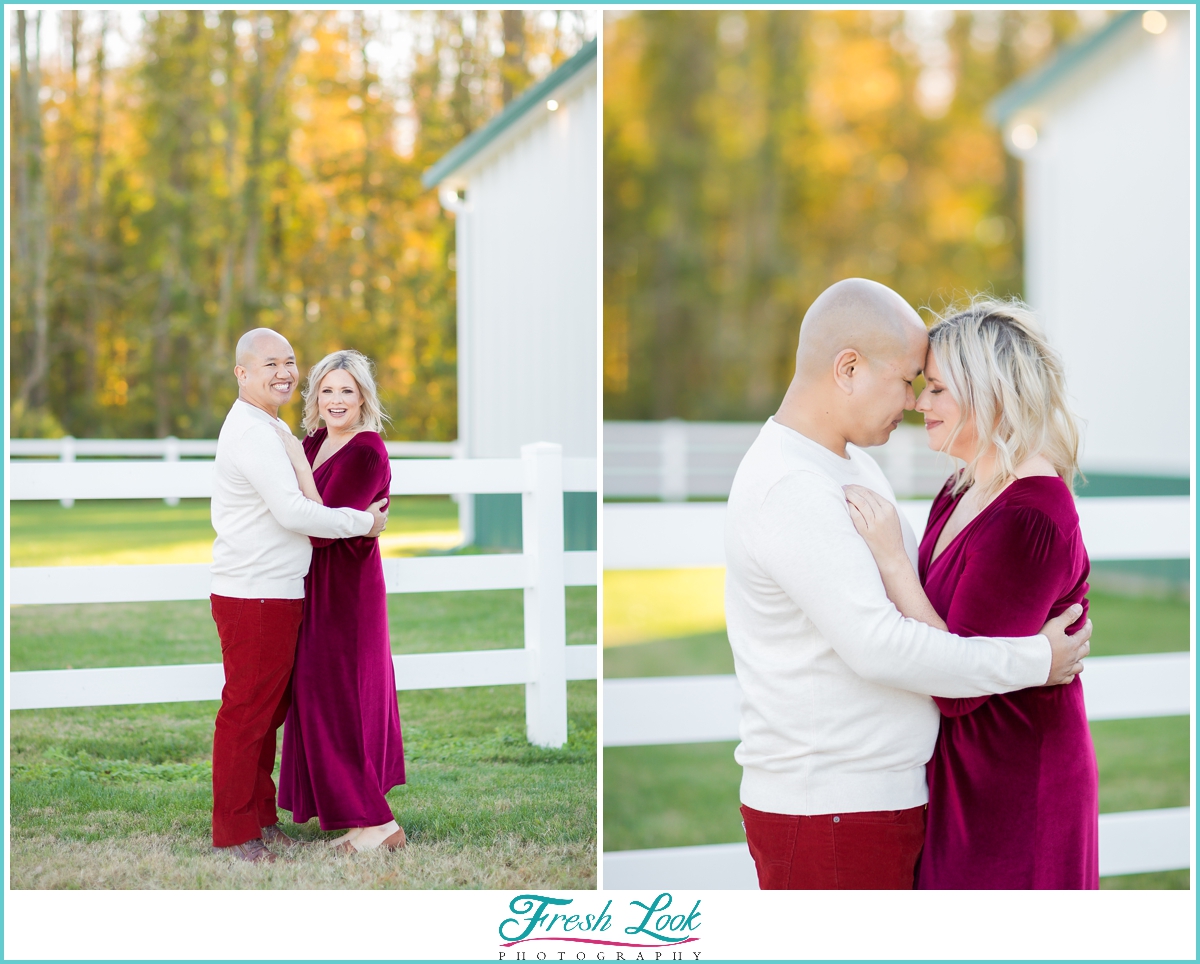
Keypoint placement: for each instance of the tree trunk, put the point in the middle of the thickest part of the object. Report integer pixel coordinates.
(221, 360)
(93, 231)
(512, 65)
(34, 390)
(160, 331)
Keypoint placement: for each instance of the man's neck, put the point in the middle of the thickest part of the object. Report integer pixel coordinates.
(272, 410)
(806, 414)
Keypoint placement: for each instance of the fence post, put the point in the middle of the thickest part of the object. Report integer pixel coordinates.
(674, 478)
(545, 594)
(67, 454)
(171, 454)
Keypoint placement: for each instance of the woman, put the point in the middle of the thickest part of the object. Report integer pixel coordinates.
(342, 750)
(1012, 783)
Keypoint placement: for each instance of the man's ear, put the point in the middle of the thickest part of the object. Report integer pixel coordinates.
(845, 366)
(239, 372)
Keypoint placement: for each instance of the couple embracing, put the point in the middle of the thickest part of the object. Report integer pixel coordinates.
(912, 714)
(299, 600)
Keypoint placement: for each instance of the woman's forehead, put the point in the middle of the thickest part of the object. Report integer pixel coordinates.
(338, 378)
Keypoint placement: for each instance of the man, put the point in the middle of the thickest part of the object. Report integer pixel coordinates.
(260, 558)
(837, 723)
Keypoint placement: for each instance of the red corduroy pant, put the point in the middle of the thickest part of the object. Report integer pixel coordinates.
(873, 850)
(258, 647)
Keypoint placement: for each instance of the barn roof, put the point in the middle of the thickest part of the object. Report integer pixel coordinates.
(1062, 66)
(476, 141)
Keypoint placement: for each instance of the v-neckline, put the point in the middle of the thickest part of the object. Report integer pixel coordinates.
(332, 455)
(934, 555)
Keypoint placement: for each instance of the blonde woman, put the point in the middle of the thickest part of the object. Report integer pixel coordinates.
(342, 749)
(1012, 783)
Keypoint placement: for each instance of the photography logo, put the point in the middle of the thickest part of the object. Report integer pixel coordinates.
(556, 929)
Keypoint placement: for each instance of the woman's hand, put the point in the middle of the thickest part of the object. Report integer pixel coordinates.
(294, 448)
(876, 520)
(304, 475)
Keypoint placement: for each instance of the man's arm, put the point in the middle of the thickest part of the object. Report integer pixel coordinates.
(261, 457)
(808, 545)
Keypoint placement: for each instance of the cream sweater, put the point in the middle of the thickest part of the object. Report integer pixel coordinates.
(262, 519)
(836, 714)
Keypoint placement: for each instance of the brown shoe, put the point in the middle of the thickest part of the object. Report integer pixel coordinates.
(252, 852)
(273, 835)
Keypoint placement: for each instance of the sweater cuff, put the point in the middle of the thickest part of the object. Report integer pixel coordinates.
(364, 522)
(1040, 658)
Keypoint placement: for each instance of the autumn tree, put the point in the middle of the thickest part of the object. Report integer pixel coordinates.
(752, 158)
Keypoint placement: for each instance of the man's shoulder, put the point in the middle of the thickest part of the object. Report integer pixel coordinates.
(244, 435)
(873, 476)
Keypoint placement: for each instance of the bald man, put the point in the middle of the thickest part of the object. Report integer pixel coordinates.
(837, 721)
(260, 558)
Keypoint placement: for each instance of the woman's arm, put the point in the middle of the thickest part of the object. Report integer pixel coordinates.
(358, 477)
(876, 521)
(304, 476)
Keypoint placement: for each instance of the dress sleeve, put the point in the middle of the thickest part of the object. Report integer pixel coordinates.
(1014, 572)
(355, 481)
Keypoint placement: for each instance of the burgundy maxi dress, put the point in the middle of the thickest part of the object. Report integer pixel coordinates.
(342, 750)
(1013, 790)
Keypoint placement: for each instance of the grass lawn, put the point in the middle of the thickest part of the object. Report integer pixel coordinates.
(120, 797)
(97, 532)
(668, 796)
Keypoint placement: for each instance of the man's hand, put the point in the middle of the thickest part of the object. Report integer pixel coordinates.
(379, 511)
(1067, 652)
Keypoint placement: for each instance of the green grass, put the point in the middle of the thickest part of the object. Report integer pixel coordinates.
(138, 777)
(97, 532)
(120, 796)
(149, 634)
(132, 776)
(670, 796)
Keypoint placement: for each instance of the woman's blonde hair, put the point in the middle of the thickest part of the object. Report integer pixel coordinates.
(371, 416)
(1009, 382)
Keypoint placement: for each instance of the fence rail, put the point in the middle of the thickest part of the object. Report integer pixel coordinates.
(673, 459)
(172, 449)
(706, 709)
(702, 709)
(194, 480)
(655, 535)
(543, 569)
(46, 689)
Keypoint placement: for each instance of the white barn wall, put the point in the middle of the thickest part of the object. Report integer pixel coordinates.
(533, 292)
(1107, 233)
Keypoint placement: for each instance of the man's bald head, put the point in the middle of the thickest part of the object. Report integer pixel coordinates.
(265, 369)
(861, 347)
(256, 343)
(857, 314)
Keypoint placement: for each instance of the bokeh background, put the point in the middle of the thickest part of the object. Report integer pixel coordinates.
(751, 158)
(179, 177)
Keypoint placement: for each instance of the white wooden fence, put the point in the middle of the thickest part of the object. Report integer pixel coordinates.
(673, 459)
(701, 709)
(172, 449)
(542, 570)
